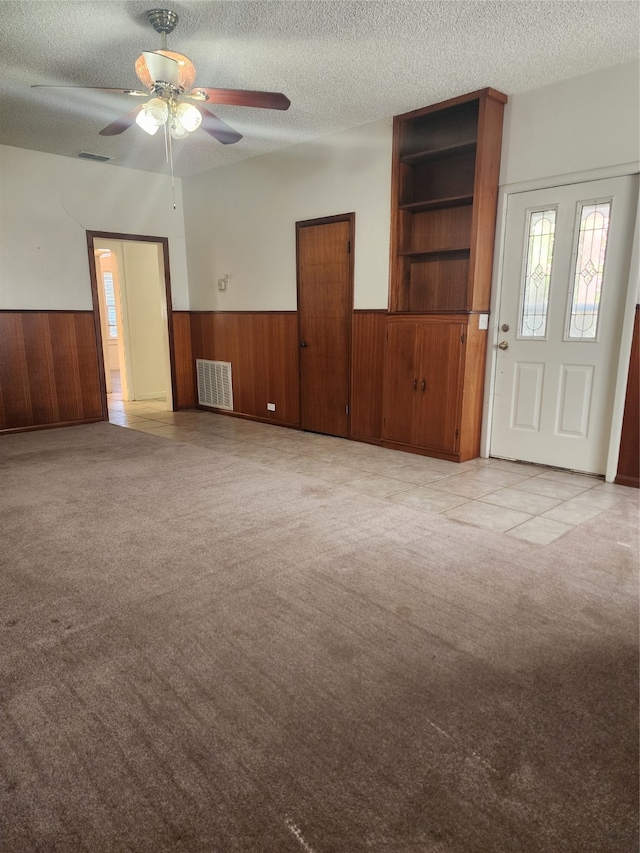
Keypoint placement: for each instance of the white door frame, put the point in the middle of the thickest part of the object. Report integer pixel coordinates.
(632, 298)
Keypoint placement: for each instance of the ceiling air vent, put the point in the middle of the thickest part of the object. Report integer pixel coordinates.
(87, 155)
(214, 384)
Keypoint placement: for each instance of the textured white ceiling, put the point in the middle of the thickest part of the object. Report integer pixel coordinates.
(342, 64)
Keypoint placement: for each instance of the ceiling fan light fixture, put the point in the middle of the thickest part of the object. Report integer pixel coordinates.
(156, 111)
(168, 78)
(188, 116)
(143, 121)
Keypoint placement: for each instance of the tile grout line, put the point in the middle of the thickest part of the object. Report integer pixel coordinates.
(247, 435)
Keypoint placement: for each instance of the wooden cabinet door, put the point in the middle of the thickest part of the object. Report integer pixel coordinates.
(439, 365)
(400, 382)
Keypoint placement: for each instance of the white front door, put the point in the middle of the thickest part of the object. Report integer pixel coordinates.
(564, 284)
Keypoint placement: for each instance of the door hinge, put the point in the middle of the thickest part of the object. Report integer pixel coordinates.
(346, 409)
(462, 338)
(456, 433)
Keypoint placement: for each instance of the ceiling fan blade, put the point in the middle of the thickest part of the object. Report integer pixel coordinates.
(136, 92)
(215, 127)
(243, 98)
(121, 124)
(162, 68)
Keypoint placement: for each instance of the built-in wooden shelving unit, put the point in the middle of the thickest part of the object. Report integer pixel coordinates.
(446, 161)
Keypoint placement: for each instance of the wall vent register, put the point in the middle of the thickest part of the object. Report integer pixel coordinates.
(215, 387)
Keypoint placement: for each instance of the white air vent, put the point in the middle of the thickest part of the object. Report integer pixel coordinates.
(214, 384)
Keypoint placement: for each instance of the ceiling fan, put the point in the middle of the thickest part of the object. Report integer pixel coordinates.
(168, 78)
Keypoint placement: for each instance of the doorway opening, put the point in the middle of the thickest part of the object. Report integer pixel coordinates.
(131, 292)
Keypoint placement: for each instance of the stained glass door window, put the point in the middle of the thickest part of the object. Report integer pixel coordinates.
(584, 304)
(537, 274)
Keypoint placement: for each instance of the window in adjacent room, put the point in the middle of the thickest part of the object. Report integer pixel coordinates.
(110, 302)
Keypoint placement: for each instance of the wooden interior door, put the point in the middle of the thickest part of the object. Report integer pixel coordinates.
(325, 301)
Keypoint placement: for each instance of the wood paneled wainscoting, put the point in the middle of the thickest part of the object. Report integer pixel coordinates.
(50, 370)
(184, 390)
(263, 350)
(262, 347)
(367, 368)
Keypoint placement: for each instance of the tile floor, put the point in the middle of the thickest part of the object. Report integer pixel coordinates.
(529, 502)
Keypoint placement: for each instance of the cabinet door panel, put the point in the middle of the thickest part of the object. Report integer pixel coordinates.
(399, 379)
(438, 397)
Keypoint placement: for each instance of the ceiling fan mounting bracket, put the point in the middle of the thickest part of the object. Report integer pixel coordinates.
(162, 20)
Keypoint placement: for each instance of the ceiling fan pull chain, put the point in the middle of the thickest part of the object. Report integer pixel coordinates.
(173, 187)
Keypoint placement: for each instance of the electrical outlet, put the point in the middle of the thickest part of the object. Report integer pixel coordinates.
(271, 407)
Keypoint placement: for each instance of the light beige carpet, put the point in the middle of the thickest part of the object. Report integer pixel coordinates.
(201, 654)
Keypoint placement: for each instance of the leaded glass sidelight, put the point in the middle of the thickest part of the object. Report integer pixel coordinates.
(587, 282)
(537, 276)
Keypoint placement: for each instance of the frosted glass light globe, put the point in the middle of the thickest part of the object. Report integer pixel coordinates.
(189, 116)
(143, 121)
(156, 111)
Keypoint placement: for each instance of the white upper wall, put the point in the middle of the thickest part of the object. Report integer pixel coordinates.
(48, 202)
(577, 125)
(240, 219)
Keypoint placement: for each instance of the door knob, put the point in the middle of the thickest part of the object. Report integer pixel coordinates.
(303, 344)
(503, 345)
(505, 327)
